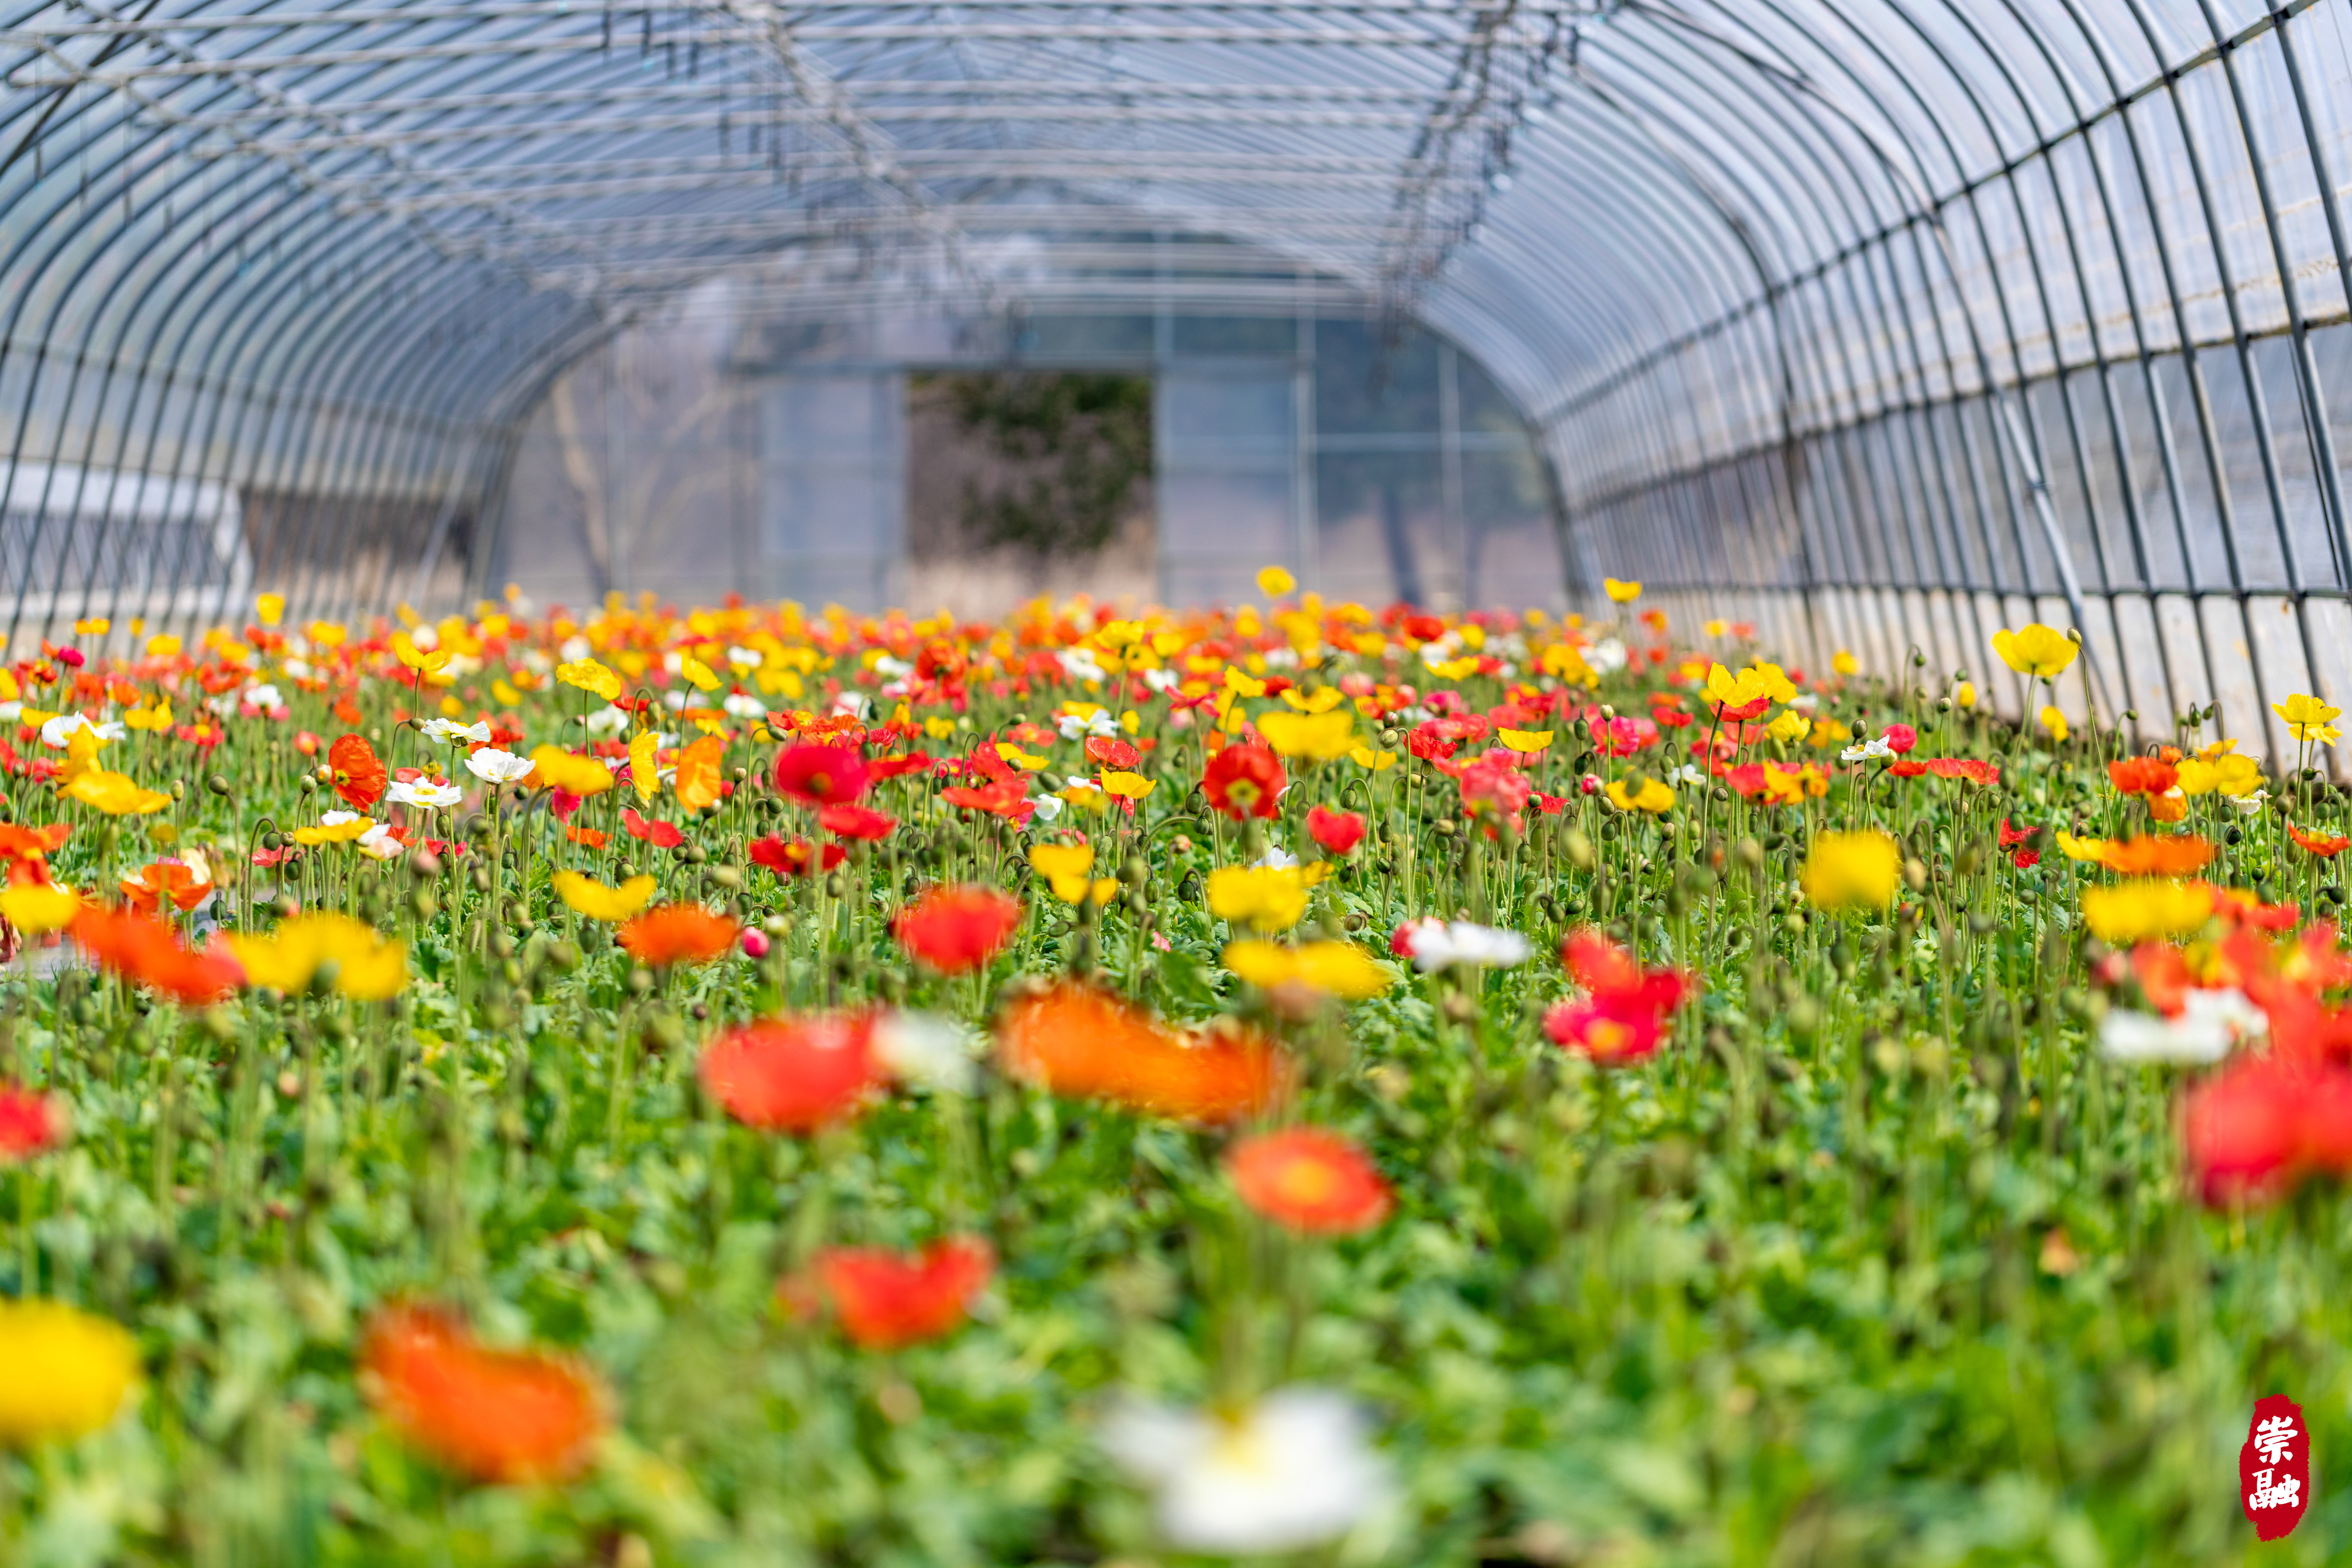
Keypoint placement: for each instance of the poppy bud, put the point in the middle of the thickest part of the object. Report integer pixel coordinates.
(218, 785)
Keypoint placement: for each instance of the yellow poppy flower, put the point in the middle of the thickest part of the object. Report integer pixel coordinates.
(1128, 786)
(2145, 909)
(1065, 869)
(1273, 582)
(1335, 968)
(1267, 897)
(1525, 741)
(1964, 695)
(2037, 650)
(1018, 758)
(35, 908)
(2089, 851)
(2228, 776)
(591, 676)
(1322, 699)
(368, 967)
(2308, 720)
(573, 774)
(1790, 727)
(68, 1371)
(1377, 762)
(1319, 737)
(269, 608)
(115, 795)
(1622, 592)
(587, 895)
(148, 721)
(404, 649)
(1653, 796)
(2054, 722)
(1853, 870)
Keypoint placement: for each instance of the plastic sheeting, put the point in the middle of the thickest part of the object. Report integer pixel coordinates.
(1917, 303)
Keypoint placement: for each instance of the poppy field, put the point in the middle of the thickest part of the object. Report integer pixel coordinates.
(1298, 1082)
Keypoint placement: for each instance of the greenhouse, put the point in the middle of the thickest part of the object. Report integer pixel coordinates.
(1124, 782)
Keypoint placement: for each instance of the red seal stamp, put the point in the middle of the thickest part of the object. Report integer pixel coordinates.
(2275, 1468)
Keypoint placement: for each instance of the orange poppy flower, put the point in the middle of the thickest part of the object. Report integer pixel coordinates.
(954, 929)
(887, 1300)
(147, 889)
(2142, 775)
(18, 842)
(593, 838)
(359, 776)
(491, 1414)
(2163, 855)
(144, 949)
(793, 1074)
(1087, 1045)
(2321, 845)
(1309, 1179)
(678, 933)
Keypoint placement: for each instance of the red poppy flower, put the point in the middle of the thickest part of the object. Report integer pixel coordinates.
(1243, 781)
(492, 1414)
(999, 797)
(2327, 848)
(143, 950)
(660, 835)
(1968, 768)
(1113, 752)
(1309, 1179)
(1336, 831)
(2242, 1131)
(1899, 738)
(305, 742)
(887, 1301)
(794, 857)
(1908, 768)
(1087, 1045)
(793, 1074)
(30, 1123)
(857, 821)
(880, 768)
(1624, 1011)
(359, 776)
(2142, 775)
(953, 930)
(1494, 786)
(678, 933)
(1625, 735)
(821, 775)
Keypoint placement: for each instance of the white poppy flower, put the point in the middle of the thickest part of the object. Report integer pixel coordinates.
(378, 844)
(855, 704)
(429, 794)
(264, 695)
(299, 668)
(744, 657)
(492, 765)
(606, 721)
(448, 731)
(1049, 806)
(1290, 1471)
(1162, 681)
(928, 1049)
(743, 705)
(2250, 804)
(1606, 656)
(892, 668)
(1078, 664)
(1873, 750)
(1435, 944)
(11, 711)
(1274, 859)
(2211, 1023)
(58, 733)
(575, 648)
(337, 819)
(1079, 726)
(424, 637)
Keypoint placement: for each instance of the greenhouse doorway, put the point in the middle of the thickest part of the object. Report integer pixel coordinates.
(1023, 481)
